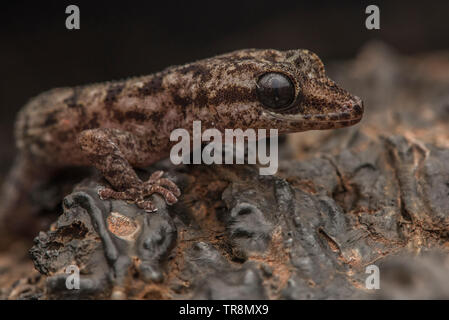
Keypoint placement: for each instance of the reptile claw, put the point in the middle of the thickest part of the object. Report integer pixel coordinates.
(155, 184)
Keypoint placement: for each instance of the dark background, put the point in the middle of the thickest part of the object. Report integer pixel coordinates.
(129, 38)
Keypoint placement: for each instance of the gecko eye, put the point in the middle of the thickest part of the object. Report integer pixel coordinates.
(275, 90)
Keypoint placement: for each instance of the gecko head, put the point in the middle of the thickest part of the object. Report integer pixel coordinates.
(289, 91)
(297, 91)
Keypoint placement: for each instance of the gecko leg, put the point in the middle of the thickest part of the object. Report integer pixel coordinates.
(155, 184)
(113, 152)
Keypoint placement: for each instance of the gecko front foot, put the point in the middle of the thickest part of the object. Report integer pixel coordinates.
(137, 194)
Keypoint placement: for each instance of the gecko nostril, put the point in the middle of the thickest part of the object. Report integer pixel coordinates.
(354, 107)
(358, 105)
(358, 109)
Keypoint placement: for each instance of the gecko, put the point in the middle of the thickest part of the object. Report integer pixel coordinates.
(121, 125)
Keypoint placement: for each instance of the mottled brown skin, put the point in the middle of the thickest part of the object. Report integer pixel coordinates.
(119, 125)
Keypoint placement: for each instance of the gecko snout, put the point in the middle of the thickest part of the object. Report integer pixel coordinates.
(353, 109)
(357, 107)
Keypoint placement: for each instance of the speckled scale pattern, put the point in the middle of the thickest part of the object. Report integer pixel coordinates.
(118, 125)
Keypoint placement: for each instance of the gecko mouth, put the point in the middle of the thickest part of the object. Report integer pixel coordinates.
(329, 117)
(350, 113)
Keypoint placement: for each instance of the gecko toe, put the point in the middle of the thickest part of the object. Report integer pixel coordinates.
(170, 185)
(168, 195)
(167, 188)
(155, 176)
(105, 193)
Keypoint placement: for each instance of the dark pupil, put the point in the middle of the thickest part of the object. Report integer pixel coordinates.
(275, 90)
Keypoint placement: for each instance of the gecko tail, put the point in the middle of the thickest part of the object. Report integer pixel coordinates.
(16, 210)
